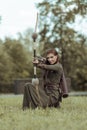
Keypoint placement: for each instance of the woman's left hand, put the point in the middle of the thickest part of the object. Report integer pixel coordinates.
(35, 61)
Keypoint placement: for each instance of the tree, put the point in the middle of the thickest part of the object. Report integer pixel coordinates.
(19, 58)
(55, 32)
(5, 65)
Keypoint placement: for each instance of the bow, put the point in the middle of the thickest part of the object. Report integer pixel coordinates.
(35, 80)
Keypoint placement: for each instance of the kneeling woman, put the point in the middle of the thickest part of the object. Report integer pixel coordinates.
(48, 94)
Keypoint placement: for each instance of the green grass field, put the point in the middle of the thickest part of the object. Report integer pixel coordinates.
(71, 116)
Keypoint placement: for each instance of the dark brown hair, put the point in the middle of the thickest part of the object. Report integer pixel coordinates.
(53, 51)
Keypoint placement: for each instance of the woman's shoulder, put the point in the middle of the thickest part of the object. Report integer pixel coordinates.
(59, 64)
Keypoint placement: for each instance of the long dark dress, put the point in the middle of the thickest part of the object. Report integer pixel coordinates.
(47, 95)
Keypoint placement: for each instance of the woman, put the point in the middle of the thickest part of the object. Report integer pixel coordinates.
(47, 95)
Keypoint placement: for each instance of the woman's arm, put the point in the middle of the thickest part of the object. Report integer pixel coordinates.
(54, 67)
(42, 65)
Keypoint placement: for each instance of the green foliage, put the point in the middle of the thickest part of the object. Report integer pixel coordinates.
(16, 59)
(19, 57)
(55, 32)
(71, 116)
(5, 65)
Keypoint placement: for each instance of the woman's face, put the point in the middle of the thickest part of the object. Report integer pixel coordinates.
(51, 58)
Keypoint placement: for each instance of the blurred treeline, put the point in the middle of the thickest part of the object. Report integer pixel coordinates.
(16, 59)
(55, 20)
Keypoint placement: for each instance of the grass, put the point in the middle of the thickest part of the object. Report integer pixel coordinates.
(71, 116)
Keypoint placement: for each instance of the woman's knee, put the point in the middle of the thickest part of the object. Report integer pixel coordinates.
(27, 85)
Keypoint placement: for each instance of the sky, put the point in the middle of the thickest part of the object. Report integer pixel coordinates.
(19, 15)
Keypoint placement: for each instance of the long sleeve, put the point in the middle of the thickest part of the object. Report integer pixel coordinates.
(54, 67)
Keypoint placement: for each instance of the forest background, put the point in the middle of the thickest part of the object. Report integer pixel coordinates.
(56, 19)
